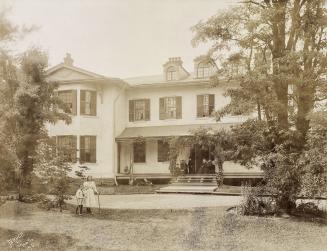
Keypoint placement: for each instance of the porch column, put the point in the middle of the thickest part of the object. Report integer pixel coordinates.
(195, 167)
(118, 157)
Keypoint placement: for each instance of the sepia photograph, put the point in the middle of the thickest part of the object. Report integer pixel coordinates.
(176, 125)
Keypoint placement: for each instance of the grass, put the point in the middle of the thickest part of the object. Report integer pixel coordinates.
(197, 229)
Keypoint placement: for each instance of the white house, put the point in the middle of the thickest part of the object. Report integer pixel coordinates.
(110, 114)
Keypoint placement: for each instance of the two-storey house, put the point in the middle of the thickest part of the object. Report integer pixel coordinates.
(111, 115)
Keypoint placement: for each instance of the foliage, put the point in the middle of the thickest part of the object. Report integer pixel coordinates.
(27, 103)
(274, 60)
(254, 203)
(217, 140)
(53, 170)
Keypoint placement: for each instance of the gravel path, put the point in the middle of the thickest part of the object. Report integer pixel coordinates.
(165, 201)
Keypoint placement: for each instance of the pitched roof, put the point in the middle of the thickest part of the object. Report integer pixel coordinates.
(80, 74)
(159, 80)
(73, 68)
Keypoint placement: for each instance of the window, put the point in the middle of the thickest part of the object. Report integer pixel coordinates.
(139, 110)
(203, 70)
(171, 74)
(170, 108)
(88, 149)
(139, 152)
(69, 98)
(67, 147)
(163, 151)
(205, 105)
(88, 103)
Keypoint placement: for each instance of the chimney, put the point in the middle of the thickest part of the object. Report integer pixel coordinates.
(68, 60)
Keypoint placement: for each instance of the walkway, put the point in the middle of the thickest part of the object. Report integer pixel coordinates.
(164, 201)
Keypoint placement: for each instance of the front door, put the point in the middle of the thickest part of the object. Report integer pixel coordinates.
(198, 163)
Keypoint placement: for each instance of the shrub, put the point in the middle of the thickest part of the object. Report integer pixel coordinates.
(256, 203)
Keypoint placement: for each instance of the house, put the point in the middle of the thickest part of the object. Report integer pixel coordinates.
(111, 115)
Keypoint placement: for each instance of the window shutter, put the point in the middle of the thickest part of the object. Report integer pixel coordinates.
(163, 151)
(93, 103)
(199, 106)
(162, 112)
(147, 109)
(93, 148)
(73, 148)
(178, 107)
(74, 102)
(81, 149)
(82, 102)
(211, 103)
(131, 110)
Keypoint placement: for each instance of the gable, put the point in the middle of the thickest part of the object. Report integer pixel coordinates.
(69, 73)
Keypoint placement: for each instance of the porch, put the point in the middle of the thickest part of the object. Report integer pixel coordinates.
(143, 154)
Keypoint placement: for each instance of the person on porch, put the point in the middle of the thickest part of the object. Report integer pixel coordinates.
(90, 190)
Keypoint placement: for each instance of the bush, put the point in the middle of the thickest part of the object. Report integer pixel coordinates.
(255, 203)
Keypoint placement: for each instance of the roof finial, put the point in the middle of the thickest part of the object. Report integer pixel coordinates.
(68, 60)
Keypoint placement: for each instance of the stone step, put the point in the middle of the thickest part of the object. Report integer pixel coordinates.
(187, 189)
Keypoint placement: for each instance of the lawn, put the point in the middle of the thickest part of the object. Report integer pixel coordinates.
(197, 229)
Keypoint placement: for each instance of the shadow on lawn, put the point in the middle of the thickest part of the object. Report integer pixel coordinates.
(33, 240)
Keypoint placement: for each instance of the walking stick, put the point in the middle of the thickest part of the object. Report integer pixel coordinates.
(99, 201)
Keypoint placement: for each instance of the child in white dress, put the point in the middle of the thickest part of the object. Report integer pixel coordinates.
(90, 190)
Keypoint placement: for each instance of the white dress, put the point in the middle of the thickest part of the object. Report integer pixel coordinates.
(89, 190)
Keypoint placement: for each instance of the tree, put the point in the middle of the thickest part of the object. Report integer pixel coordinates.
(36, 105)
(27, 103)
(279, 50)
(52, 169)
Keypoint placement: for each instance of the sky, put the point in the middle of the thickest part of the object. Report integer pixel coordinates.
(116, 38)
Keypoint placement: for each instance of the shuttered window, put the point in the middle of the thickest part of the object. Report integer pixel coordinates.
(163, 151)
(139, 110)
(88, 103)
(88, 149)
(69, 98)
(170, 108)
(205, 105)
(67, 147)
(139, 152)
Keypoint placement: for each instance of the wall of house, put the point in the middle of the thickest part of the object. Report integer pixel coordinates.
(100, 126)
(151, 164)
(189, 105)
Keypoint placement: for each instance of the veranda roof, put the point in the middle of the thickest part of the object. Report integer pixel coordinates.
(168, 131)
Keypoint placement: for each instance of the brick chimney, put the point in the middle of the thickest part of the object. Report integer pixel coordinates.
(68, 60)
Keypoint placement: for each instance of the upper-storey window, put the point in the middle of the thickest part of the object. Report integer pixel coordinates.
(171, 73)
(67, 147)
(170, 108)
(205, 105)
(69, 98)
(203, 70)
(139, 110)
(88, 103)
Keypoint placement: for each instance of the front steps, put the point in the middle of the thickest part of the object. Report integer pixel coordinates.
(196, 183)
(195, 180)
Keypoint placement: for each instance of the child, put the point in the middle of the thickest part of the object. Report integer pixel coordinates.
(80, 197)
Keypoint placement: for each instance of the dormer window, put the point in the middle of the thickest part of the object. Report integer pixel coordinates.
(171, 73)
(203, 70)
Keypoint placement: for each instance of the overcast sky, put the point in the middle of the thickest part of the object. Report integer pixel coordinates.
(117, 38)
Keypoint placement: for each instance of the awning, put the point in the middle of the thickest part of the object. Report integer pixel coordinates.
(168, 131)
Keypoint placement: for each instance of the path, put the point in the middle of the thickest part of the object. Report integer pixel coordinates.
(165, 201)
